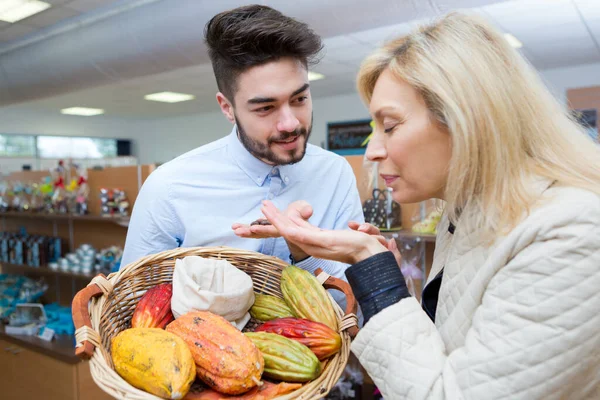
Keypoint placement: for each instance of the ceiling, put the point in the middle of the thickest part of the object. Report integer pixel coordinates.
(60, 10)
(554, 33)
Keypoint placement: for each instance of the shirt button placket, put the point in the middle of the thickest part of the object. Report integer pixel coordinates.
(274, 189)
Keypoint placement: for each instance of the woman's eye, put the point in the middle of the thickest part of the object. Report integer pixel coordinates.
(389, 129)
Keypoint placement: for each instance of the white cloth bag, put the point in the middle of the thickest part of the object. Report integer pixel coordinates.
(212, 285)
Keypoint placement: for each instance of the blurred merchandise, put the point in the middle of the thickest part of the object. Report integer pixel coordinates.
(86, 259)
(60, 319)
(79, 191)
(381, 210)
(16, 289)
(32, 250)
(113, 202)
(59, 196)
(26, 319)
(428, 217)
(4, 205)
(412, 255)
(109, 259)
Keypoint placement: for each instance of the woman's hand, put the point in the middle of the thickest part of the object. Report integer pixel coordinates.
(374, 231)
(348, 246)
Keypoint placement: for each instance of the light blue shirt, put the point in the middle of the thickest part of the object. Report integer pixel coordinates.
(194, 199)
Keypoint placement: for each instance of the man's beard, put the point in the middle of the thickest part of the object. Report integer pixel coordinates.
(263, 151)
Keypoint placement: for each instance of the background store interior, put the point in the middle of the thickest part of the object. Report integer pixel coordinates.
(108, 55)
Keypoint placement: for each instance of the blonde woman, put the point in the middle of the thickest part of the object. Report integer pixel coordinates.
(511, 309)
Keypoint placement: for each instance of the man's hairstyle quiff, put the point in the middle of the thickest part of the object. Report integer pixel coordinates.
(253, 35)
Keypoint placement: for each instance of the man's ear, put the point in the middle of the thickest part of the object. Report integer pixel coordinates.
(226, 107)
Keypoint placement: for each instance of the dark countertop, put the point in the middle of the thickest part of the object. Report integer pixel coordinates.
(61, 348)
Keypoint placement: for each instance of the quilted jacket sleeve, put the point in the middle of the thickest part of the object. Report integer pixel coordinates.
(535, 335)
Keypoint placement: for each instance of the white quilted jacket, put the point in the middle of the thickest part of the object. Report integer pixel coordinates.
(517, 320)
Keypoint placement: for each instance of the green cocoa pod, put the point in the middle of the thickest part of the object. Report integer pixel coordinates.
(267, 307)
(306, 297)
(286, 359)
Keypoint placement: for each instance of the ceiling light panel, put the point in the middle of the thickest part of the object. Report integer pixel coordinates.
(16, 10)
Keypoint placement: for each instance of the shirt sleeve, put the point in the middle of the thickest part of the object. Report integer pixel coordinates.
(350, 209)
(154, 226)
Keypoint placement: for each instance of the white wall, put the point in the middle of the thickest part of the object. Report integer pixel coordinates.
(561, 79)
(161, 140)
(16, 119)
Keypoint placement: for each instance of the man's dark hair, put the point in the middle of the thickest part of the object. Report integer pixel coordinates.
(252, 35)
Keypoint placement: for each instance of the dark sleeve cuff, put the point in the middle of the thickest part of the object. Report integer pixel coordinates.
(377, 283)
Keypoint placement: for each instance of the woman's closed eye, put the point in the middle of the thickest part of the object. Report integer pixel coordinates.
(389, 129)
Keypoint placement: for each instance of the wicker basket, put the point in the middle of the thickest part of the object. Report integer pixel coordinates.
(104, 308)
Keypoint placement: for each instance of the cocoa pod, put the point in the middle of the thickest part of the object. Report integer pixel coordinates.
(226, 360)
(154, 308)
(267, 307)
(154, 360)
(306, 297)
(318, 337)
(286, 359)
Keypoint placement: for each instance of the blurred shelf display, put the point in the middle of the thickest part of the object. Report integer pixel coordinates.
(407, 234)
(122, 221)
(45, 270)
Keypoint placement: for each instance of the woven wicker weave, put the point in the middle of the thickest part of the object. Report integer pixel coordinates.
(105, 307)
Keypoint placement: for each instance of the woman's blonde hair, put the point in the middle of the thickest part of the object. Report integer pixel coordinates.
(505, 126)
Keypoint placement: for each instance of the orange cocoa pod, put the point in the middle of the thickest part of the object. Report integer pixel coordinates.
(226, 359)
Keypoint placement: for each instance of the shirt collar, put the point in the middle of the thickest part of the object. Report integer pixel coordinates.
(257, 170)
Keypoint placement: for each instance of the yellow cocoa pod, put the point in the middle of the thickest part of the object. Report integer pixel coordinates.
(306, 297)
(154, 360)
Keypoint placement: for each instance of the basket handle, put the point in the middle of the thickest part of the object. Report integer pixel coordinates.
(81, 316)
(351, 305)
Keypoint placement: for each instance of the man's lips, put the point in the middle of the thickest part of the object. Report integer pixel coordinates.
(288, 144)
(288, 140)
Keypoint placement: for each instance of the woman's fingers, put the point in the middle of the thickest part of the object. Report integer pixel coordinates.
(393, 247)
(364, 227)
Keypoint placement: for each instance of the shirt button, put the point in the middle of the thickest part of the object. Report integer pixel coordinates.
(270, 196)
(286, 179)
(274, 171)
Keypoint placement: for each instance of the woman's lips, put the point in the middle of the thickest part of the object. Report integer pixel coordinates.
(389, 179)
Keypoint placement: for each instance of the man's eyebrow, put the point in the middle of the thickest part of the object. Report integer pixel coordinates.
(261, 100)
(302, 89)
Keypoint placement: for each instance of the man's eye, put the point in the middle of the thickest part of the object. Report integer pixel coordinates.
(263, 109)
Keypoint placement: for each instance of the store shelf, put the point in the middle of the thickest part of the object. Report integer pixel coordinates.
(407, 234)
(61, 348)
(122, 221)
(44, 270)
